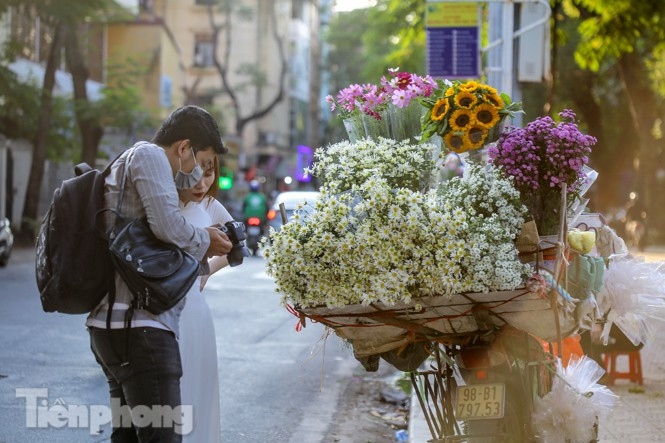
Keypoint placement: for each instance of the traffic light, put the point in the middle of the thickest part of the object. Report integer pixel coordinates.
(225, 178)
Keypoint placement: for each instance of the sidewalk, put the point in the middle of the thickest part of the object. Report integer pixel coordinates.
(639, 416)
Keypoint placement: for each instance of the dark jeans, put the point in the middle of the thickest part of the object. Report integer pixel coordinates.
(152, 377)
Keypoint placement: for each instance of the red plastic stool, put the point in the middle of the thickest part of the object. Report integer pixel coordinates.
(634, 373)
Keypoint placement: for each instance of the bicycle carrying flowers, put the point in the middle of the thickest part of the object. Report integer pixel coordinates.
(396, 252)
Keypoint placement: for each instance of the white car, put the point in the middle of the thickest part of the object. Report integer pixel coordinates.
(291, 200)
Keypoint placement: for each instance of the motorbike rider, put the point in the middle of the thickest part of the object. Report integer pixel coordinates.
(255, 205)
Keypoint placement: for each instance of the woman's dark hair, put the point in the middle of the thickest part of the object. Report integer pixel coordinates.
(213, 191)
(194, 124)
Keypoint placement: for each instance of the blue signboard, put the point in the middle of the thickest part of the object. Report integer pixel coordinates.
(453, 49)
(453, 52)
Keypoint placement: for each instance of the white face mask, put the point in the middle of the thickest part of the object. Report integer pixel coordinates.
(184, 180)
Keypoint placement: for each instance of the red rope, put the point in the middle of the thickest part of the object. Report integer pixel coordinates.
(299, 325)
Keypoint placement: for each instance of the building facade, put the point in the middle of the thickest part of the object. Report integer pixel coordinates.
(255, 64)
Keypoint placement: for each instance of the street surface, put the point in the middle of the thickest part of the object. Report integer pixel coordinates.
(277, 384)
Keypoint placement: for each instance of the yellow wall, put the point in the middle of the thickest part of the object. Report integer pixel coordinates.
(141, 45)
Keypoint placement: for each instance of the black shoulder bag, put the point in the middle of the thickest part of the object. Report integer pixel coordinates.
(157, 273)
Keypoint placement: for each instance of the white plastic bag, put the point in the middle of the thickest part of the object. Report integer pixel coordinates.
(570, 410)
(633, 291)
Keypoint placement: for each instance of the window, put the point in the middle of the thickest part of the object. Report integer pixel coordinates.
(203, 51)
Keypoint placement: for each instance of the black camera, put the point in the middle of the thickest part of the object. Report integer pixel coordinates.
(235, 231)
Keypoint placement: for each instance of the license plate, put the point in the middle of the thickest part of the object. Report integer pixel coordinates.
(254, 230)
(480, 401)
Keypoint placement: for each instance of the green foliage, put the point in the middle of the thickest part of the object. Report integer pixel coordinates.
(20, 109)
(404, 383)
(396, 29)
(63, 142)
(610, 28)
(392, 33)
(19, 105)
(120, 106)
(656, 66)
(346, 57)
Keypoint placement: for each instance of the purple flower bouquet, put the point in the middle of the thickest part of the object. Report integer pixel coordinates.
(541, 157)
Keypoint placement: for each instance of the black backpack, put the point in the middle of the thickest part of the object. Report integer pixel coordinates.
(73, 263)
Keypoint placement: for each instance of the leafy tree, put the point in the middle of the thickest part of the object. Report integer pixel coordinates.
(48, 124)
(397, 34)
(623, 39)
(392, 35)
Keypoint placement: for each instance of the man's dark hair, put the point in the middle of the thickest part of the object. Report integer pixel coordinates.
(192, 123)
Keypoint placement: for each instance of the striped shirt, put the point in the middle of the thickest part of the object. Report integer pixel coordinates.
(150, 193)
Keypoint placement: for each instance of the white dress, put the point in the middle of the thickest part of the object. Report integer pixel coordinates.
(199, 385)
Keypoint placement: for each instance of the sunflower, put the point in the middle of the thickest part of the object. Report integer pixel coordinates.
(470, 86)
(461, 119)
(465, 99)
(456, 142)
(476, 137)
(486, 115)
(493, 97)
(440, 109)
(490, 89)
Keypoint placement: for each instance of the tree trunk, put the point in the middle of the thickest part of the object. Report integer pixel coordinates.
(89, 127)
(31, 207)
(223, 66)
(643, 112)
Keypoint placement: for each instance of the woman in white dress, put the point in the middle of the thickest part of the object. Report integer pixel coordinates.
(199, 385)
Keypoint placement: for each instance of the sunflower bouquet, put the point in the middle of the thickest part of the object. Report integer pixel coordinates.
(466, 114)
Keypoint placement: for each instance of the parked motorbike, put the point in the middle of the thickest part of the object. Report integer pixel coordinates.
(6, 241)
(485, 387)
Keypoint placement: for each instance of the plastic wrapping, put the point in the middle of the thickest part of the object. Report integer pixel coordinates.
(578, 204)
(609, 243)
(570, 410)
(633, 291)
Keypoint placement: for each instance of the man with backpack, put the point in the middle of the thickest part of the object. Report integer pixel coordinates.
(138, 350)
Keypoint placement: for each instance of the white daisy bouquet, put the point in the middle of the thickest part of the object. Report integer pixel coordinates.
(380, 232)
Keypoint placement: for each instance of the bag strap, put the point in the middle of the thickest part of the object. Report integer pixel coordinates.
(111, 295)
